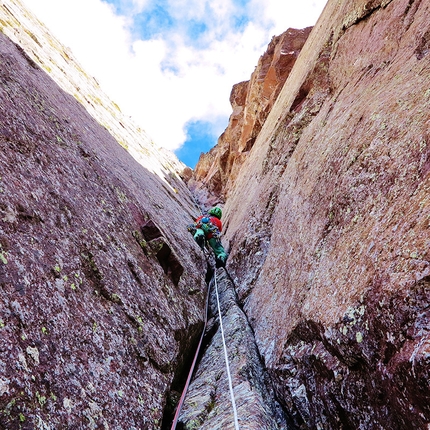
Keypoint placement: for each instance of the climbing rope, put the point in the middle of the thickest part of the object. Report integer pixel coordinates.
(190, 374)
(230, 384)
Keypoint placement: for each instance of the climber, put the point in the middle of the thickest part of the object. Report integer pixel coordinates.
(208, 228)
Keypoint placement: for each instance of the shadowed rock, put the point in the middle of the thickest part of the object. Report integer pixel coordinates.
(96, 323)
(208, 402)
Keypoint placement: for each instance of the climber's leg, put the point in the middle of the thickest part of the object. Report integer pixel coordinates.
(199, 237)
(220, 254)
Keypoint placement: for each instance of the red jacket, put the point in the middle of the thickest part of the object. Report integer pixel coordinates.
(214, 221)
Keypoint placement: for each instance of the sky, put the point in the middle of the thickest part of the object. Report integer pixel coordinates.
(171, 64)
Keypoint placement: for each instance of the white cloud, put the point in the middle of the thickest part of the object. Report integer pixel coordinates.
(138, 4)
(289, 13)
(167, 81)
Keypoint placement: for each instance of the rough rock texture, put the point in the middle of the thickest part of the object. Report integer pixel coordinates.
(101, 295)
(34, 38)
(328, 224)
(251, 101)
(208, 403)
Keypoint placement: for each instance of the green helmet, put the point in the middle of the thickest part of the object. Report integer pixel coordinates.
(216, 212)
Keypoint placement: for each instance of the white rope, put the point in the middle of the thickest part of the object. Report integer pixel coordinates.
(236, 422)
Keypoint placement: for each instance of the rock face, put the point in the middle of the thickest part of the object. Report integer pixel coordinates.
(49, 54)
(208, 403)
(328, 223)
(101, 294)
(251, 101)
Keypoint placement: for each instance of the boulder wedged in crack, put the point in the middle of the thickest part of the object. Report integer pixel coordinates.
(208, 402)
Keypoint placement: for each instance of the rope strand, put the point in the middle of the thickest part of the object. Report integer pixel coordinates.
(190, 374)
(230, 384)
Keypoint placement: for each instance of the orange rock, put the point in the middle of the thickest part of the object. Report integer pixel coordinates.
(251, 101)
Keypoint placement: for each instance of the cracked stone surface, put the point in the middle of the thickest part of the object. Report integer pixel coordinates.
(208, 402)
(328, 224)
(101, 295)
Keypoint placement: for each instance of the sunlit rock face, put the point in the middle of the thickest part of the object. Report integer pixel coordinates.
(328, 223)
(101, 286)
(58, 61)
(102, 290)
(251, 101)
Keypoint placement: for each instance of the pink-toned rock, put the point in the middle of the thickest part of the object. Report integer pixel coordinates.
(251, 101)
(187, 174)
(101, 294)
(208, 403)
(328, 223)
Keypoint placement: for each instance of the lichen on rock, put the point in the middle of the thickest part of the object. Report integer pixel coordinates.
(89, 312)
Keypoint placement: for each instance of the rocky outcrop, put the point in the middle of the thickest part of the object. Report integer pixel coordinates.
(101, 293)
(22, 27)
(328, 223)
(208, 404)
(251, 101)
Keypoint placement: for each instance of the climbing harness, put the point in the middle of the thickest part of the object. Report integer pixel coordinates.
(230, 384)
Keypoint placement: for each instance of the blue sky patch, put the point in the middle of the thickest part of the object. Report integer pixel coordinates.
(195, 29)
(200, 138)
(242, 3)
(153, 22)
(240, 22)
(118, 5)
